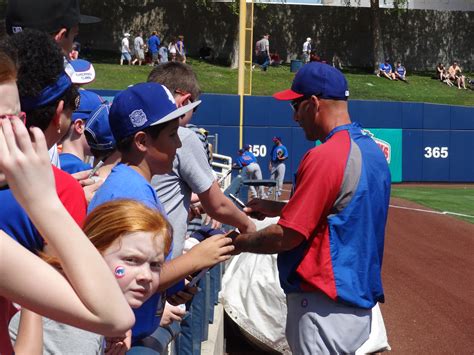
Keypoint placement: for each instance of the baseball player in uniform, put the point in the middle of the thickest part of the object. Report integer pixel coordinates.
(330, 235)
(277, 167)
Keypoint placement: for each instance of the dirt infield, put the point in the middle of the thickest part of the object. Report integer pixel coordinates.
(428, 276)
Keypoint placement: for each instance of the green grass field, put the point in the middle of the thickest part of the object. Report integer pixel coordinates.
(363, 86)
(422, 88)
(457, 199)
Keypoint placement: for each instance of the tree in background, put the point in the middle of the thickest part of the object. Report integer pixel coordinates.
(378, 54)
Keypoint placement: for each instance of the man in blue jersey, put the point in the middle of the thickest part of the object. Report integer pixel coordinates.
(330, 235)
(385, 70)
(277, 166)
(247, 161)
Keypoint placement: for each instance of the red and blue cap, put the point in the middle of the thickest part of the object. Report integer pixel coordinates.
(99, 135)
(141, 106)
(319, 79)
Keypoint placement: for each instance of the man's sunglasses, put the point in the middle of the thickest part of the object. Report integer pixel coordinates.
(20, 115)
(295, 104)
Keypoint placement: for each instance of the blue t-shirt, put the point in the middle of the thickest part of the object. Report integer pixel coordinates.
(16, 224)
(124, 182)
(401, 70)
(279, 151)
(385, 67)
(153, 44)
(245, 159)
(72, 164)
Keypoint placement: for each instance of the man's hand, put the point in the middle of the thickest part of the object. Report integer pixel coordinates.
(260, 209)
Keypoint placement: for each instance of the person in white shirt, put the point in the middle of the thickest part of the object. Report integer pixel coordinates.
(126, 50)
(306, 50)
(138, 46)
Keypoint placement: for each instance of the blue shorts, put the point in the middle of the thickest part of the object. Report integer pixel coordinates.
(126, 56)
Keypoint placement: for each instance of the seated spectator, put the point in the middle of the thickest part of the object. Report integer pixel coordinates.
(385, 70)
(275, 59)
(313, 57)
(455, 75)
(205, 52)
(440, 70)
(400, 72)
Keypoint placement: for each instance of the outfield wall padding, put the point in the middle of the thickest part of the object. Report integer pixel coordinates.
(424, 142)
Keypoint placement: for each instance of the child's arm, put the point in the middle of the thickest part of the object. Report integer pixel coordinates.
(92, 299)
(29, 340)
(208, 253)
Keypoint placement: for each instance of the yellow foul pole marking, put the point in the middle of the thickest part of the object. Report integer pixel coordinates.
(245, 59)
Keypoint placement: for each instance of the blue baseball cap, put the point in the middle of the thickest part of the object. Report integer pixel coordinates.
(141, 106)
(317, 79)
(246, 146)
(100, 136)
(89, 102)
(276, 139)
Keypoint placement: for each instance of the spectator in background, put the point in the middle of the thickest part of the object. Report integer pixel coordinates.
(180, 50)
(205, 52)
(74, 53)
(440, 70)
(400, 72)
(139, 49)
(275, 59)
(153, 47)
(306, 50)
(75, 147)
(163, 53)
(455, 75)
(263, 52)
(385, 70)
(172, 49)
(126, 55)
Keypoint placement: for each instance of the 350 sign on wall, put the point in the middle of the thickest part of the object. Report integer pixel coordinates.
(436, 152)
(258, 150)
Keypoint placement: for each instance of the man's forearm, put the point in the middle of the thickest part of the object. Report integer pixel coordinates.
(265, 241)
(220, 208)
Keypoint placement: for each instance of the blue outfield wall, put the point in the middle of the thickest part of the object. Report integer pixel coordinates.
(437, 140)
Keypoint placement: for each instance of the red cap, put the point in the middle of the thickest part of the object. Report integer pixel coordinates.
(286, 95)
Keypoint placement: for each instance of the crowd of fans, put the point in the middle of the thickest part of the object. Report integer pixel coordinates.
(153, 51)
